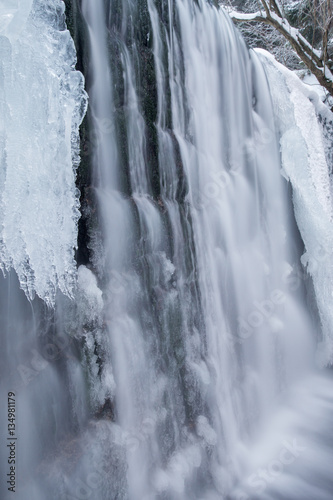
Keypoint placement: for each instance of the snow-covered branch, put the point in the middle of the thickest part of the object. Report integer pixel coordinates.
(240, 16)
(272, 14)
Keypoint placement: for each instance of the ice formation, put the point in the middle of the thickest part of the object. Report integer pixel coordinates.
(304, 162)
(42, 103)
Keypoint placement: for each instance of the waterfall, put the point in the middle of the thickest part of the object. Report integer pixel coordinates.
(179, 361)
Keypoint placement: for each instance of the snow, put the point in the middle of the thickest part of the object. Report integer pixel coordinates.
(246, 17)
(305, 165)
(296, 35)
(310, 80)
(286, 28)
(42, 103)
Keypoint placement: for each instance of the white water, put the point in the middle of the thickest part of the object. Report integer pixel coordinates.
(207, 324)
(195, 324)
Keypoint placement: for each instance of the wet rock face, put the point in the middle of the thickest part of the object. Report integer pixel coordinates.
(78, 30)
(106, 411)
(135, 32)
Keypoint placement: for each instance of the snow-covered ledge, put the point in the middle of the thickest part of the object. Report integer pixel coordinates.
(305, 165)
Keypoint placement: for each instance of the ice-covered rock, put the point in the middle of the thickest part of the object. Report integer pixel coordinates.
(42, 103)
(305, 165)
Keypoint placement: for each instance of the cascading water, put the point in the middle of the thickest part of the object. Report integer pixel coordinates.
(195, 325)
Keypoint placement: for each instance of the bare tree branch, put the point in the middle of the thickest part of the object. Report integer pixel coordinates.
(316, 61)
